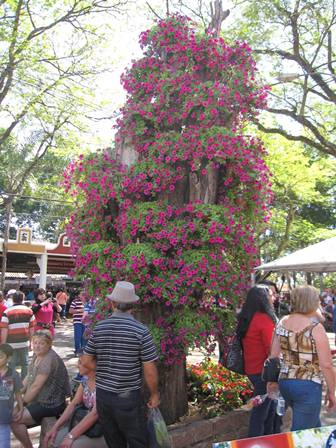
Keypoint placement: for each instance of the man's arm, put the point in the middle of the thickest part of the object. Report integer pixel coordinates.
(152, 380)
(88, 361)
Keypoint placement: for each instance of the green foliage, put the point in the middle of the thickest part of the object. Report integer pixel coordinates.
(48, 54)
(291, 37)
(303, 209)
(145, 250)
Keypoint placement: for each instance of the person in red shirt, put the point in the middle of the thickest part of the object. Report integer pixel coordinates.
(255, 328)
(3, 307)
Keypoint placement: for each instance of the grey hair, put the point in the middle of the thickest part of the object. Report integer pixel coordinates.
(124, 306)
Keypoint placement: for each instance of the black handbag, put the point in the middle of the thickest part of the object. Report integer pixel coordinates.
(80, 412)
(271, 370)
(235, 357)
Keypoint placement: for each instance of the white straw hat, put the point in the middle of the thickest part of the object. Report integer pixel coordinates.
(123, 292)
(11, 292)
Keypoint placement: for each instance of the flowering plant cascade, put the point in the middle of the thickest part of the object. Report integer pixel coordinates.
(180, 222)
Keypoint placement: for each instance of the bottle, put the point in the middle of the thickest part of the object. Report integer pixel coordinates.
(281, 406)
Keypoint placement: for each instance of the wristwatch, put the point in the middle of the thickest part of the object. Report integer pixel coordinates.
(70, 436)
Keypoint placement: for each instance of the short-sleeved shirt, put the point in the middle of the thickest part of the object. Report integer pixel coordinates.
(120, 344)
(257, 342)
(89, 309)
(19, 320)
(2, 308)
(78, 306)
(61, 298)
(10, 383)
(44, 317)
(57, 386)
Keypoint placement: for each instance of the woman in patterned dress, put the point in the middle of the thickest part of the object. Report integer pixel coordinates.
(302, 344)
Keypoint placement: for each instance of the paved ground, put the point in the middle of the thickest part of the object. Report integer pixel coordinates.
(63, 344)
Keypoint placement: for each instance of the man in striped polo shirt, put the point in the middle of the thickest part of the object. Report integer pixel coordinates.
(77, 311)
(17, 327)
(123, 348)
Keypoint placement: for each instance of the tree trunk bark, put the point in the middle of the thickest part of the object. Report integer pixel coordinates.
(8, 212)
(289, 222)
(173, 379)
(174, 400)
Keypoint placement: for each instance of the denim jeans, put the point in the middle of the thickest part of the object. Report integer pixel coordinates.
(62, 313)
(5, 431)
(78, 336)
(263, 418)
(305, 398)
(123, 419)
(20, 359)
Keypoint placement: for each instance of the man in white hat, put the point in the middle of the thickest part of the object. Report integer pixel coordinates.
(9, 297)
(123, 348)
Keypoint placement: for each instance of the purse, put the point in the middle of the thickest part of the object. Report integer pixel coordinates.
(235, 358)
(271, 370)
(80, 412)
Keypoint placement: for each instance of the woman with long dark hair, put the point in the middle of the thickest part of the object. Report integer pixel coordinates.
(255, 328)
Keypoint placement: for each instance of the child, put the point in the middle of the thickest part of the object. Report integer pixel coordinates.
(10, 385)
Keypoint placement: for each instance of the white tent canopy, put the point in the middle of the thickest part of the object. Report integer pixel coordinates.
(319, 257)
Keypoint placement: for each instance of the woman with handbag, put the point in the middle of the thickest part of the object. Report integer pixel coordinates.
(78, 426)
(255, 328)
(302, 344)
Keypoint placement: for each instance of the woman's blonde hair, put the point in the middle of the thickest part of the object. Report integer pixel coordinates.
(43, 334)
(304, 299)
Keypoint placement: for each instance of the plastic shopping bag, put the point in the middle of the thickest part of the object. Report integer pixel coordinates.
(158, 433)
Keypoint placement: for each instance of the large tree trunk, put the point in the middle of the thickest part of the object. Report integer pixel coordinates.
(173, 381)
(174, 400)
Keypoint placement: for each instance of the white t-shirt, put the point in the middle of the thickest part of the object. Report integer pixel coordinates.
(8, 302)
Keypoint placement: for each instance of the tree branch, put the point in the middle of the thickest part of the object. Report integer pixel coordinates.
(6, 76)
(330, 67)
(305, 122)
(297, 138)
(153, 11)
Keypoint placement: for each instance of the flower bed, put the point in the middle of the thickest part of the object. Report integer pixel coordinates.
(216, 390)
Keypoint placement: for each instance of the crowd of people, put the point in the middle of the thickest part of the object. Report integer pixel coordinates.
(108, 409)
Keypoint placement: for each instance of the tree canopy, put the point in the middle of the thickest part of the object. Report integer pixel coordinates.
(303, 206)
(295, 41)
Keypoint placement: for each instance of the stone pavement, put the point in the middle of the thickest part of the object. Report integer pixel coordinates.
(63, 345)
